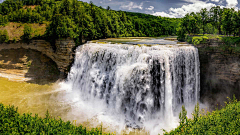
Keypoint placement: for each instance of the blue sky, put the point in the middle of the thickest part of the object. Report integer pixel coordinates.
(167, 8)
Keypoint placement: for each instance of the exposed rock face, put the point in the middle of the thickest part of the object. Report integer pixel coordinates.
(62, 57)
(22, 54)
(220, 76)
(27, 65)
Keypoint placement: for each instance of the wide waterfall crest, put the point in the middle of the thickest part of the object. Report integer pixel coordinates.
(139, 82)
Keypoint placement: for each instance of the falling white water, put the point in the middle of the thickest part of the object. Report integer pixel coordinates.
(136, 85)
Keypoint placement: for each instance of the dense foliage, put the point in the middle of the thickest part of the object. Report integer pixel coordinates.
(215, 21)
(80, 20)
(224, 121)
(4, 36)
(11, 122)
(27, 33)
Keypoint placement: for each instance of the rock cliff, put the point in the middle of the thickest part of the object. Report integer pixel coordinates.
(22, 57)
(220, 75)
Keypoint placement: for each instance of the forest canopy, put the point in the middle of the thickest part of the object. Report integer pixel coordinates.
(80, 20)
(217, 20)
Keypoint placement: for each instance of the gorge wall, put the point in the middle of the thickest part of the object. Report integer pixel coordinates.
(220, 72)
(220, 75)
(36, 60)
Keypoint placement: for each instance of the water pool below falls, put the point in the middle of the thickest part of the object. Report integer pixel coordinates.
(135, 84)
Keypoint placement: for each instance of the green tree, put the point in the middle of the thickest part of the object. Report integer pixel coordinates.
(196, 113)
(193, 22)
(60, 27)
(183, 116)
(204, 18)
(186, 23)
(236, 18)
(216, 17)
(181, 34)
(4, 36)
(27, 33)
(228, 21)
(108, 8)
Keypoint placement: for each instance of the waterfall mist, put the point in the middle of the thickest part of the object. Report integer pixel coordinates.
(135, 86)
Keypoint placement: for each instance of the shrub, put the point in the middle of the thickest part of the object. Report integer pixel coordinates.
(199, 40)
(224, 121)
(14, 40)
(4, 36)
(231, 44)
(11, 122)
(189, 39)
(181, 34)
(27, 33)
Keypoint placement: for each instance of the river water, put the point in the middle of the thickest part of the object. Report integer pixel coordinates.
(124, 84)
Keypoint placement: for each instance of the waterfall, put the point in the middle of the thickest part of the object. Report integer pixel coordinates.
(140, 83)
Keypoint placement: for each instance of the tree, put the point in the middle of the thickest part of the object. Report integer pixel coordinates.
(108, 8)
(4, 36)
(181, 34)
(186, 23)
(216, 17)
(183, 116)
(61, 27)
(196, 112)
(204, 18)
(27, 33)
(193, 22)
(66, 7)
(236, 18)
(228, 21)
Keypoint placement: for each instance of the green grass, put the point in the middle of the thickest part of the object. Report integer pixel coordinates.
(224, 121)
(11, 122)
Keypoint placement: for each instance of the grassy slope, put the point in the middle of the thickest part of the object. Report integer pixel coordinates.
(16, 29)
(224, 121)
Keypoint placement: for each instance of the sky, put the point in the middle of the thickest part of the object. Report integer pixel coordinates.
(164, 8)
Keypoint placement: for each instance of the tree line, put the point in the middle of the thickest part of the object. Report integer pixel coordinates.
(217, 20)
(78, 20)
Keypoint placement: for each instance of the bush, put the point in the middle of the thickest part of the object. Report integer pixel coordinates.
(27, 33)
(4, 36)
(199, 40)
(189, 39)
(231, 44)
(181, 34)
(11, 122)
(14, 40)
(231, 40)
(224, 121)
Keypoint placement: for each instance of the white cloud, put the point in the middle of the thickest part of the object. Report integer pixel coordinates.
(195, 6)
(163, 14)
(231, 3)
(132, 5)
(150, 8)
(215, 0)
